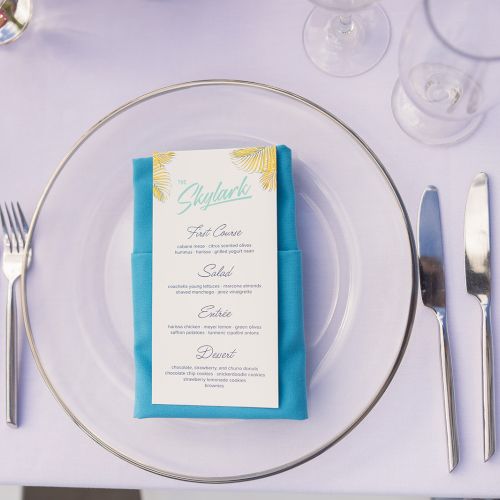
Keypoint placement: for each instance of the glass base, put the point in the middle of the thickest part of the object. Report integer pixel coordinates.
(346, 44)
(425, 128)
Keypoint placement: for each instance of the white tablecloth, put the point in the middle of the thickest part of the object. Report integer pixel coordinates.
(79, 60)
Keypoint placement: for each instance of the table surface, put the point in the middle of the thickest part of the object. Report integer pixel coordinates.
(79, 60)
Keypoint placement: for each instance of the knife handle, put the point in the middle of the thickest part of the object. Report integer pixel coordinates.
(488, 393)
(448, 392)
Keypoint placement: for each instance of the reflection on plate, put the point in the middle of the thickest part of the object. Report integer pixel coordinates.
(359, 279)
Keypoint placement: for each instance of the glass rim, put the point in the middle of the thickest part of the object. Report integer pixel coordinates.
(445, 42)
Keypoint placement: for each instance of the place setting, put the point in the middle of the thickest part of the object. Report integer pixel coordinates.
(226, 276)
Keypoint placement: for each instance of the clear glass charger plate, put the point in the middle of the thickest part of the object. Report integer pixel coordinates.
(359, 279)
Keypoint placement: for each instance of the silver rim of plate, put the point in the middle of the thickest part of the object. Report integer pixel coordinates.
(411, 311)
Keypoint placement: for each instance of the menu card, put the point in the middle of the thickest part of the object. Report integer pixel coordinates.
(215, 294)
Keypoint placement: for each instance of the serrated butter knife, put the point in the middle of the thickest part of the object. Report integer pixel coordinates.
(478, 278)
(432, 286)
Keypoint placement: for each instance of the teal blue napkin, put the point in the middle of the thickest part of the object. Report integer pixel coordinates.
(291, 351)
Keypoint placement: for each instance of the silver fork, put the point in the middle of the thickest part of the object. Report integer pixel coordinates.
(15, 229)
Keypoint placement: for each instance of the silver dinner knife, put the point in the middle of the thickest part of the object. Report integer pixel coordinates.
(478, 278)
(432, 286)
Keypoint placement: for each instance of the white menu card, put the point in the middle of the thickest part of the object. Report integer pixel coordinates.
(215, 291)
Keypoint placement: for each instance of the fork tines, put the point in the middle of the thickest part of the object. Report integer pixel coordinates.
(17, 228)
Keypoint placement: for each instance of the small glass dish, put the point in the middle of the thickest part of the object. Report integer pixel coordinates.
(15, 16)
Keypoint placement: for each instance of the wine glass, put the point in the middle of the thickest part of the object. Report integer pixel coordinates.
(449, 69)
(14, 18)
(346, 37)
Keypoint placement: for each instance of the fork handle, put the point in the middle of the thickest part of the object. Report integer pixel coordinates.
(11, 358)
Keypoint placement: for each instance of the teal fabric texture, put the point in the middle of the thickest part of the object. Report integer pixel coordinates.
(291, 348)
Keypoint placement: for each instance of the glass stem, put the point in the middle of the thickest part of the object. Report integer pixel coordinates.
(345, 24)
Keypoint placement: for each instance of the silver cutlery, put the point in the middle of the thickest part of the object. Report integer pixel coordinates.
(433, 290)
(478, 278)
(15, 229)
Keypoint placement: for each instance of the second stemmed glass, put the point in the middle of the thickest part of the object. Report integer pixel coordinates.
(449, 69)
(346, 37)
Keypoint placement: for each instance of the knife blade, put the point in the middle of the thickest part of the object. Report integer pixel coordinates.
(433, 291)
(478, 280)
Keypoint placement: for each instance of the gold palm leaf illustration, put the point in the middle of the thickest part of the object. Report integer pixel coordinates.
(258, 160)
(268, 180)
(161, 159)
(161, 177)
(161, 183)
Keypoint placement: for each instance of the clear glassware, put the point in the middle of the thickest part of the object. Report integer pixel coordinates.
(449, 69)
(15, 16)
(346, 37)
